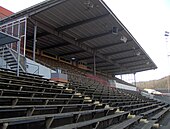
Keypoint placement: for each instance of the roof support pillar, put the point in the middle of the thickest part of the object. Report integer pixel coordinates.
(134, 79)
(25, 36)
(18, 50)
(94, 64)
(121, 77)
(18, 58)
(2, 56)
(34, 42)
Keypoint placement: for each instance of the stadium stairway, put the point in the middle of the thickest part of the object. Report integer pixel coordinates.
(32, 102)
(10, 57)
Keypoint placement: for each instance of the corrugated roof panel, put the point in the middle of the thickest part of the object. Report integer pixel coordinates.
(93, 28)
(101, 41)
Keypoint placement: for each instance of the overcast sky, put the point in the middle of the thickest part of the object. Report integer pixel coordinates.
(147, 20)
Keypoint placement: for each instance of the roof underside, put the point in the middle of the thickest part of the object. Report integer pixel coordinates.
(82, 28)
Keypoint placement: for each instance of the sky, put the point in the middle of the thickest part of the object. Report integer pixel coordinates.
(147, 20)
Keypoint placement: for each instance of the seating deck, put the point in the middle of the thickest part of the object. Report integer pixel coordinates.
(33, 102)
(125, 124)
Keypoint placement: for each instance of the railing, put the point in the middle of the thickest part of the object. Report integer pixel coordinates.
(22, 58)
(2, 57)
(17, 29)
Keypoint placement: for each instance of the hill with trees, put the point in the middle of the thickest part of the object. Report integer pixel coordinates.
(155, 84)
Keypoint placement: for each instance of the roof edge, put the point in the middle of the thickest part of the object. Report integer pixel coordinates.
(116, 18)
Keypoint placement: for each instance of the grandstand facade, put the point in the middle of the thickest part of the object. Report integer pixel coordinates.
(82, 46)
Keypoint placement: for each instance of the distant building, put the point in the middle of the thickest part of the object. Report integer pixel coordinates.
(4, 12)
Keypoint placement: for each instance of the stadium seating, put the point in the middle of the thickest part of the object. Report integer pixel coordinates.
(30, 101)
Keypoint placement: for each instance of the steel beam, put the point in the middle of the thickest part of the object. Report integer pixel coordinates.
(118, 59)
(132, 67)
(39, 35)
(127, 64)
(18, 49)
(112, 45)
(86, 58)
(56, 46)
(94, 64)
(33, 11)
(75, 42)
(94, 36)
(115, 69)
(105, 66)
(127, 72)
(18, 56)
(134, 61)
(141, 69)
(128, 57)
(115, 53)
(63, 28)
(25, 37)
(134, 78)
(34, 42)
(72, 53)
(91, 63)
(108, 68)
(136, 65)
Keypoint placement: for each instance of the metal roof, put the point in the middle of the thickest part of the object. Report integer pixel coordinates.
(6, 38)
(80, 28)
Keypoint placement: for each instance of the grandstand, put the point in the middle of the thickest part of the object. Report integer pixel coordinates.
(85, 46)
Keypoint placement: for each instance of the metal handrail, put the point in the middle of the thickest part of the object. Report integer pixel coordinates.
(14, 57)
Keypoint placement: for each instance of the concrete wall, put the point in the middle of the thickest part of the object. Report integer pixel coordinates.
(36, 68)
(126, 87)
(3, 63)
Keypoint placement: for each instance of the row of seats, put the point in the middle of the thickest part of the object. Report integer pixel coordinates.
(33, 102)
(145, 107)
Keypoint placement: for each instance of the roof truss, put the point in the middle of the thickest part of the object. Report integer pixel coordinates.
(76, 43)
(94, 36)
(56, 46)
(63, 28)
(72, 53)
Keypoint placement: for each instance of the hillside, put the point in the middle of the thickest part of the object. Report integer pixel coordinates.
(155, 84)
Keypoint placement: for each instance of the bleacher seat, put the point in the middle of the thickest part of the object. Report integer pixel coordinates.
(34, 102)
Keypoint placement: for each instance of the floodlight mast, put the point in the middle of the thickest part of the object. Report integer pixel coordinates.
(166, 40)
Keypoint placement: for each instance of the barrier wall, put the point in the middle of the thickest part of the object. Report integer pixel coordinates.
(126, 87)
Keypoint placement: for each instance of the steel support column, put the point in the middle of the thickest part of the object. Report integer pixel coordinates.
(18, 49)
(18, 58)
(121, 77)
(94, 65)
(25, 37)
(2, 56)
(34, 42)
(135, 79)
